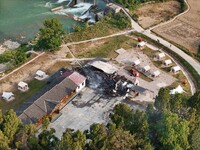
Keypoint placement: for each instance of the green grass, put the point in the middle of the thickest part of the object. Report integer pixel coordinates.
(20, 97)
(187, 67)
(108, 48)
(104, 27)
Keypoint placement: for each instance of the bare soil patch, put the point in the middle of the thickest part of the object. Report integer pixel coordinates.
(155, 13)
(185, 30)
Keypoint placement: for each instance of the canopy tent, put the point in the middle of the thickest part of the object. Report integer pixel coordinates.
(23, 86)
(146, 68)
(7, 96)
(141, 44)
(40, 73)
(167, 62)
(178, 89)
(175, 69)
(156, 73)
(160, 55)
(136, 62)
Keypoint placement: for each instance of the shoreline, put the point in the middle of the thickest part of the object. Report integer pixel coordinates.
(8, 45)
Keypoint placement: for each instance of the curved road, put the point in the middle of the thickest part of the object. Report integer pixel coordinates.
(194, 63)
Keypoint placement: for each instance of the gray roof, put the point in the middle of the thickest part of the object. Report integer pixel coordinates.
(138, 88)
(47, 102)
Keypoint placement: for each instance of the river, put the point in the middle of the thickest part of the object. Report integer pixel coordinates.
(20, 20)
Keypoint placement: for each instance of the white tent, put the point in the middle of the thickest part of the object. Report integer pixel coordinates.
(146, 68)
(175, 69)
(7, 96)
(156, 73)
(136, 62)
(167, 62)
(141, 44)
(160, 55)
(40, 73)
(23, 86)
(178, 89)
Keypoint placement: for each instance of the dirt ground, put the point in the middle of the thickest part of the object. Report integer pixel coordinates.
(185, 30)
(152, 14)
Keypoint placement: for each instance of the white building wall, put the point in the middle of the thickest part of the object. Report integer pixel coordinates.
(80, 87)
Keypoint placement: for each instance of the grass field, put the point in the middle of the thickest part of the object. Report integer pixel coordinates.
(20, 97)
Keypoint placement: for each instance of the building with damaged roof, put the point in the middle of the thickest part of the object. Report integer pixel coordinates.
(50, 103)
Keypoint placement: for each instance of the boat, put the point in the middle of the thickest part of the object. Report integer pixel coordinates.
(57, 8)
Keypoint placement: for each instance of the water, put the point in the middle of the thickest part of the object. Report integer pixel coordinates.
(23, 18)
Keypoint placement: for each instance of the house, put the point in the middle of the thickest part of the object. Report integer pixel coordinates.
(113, 8)
(146, 68)
(175, 69)
(8, 96)
(79, 80)
(156, 73)
(41, 75)
(167, 62)
(160, 56)
(51, 102)
(23, 86)
(178, 89)
(136, 62)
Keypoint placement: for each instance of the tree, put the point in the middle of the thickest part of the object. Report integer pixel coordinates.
(162, 101)
(194, 101)
(51, 35)
(19, 56)
(172, 132)
(48, 140)
(46, 122)
(121, 140)
(3, 141)
(98, 136)
(10, 124)
(196, 140)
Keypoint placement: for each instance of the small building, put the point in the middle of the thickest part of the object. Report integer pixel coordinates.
(113, 8)
(23, 86)
(79, 80)
(167, 62)
(8, 96)
(160, 56)
(175, 69)
(156, 73)
(178, 89)
(40, 75)
(136, 62)
(141, 44)
(146, 68)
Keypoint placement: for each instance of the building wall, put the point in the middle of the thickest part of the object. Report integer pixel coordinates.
(80, 87)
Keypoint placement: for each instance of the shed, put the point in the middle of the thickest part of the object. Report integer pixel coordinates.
(136, 62)
(23, 86)
(156, 73)
(175, 69)
(167, 62)
(8, 96)
(160, 56)
(146, 68)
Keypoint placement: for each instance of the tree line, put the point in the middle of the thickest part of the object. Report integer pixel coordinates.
(172, 123)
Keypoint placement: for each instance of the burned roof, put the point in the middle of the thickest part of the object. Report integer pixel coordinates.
(138, 88)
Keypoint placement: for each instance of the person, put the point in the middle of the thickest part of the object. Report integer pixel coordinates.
(158, 40)
(170, 45)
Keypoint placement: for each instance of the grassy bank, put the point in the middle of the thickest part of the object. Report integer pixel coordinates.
(191, 71)
(107, 49)
(108, 25)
